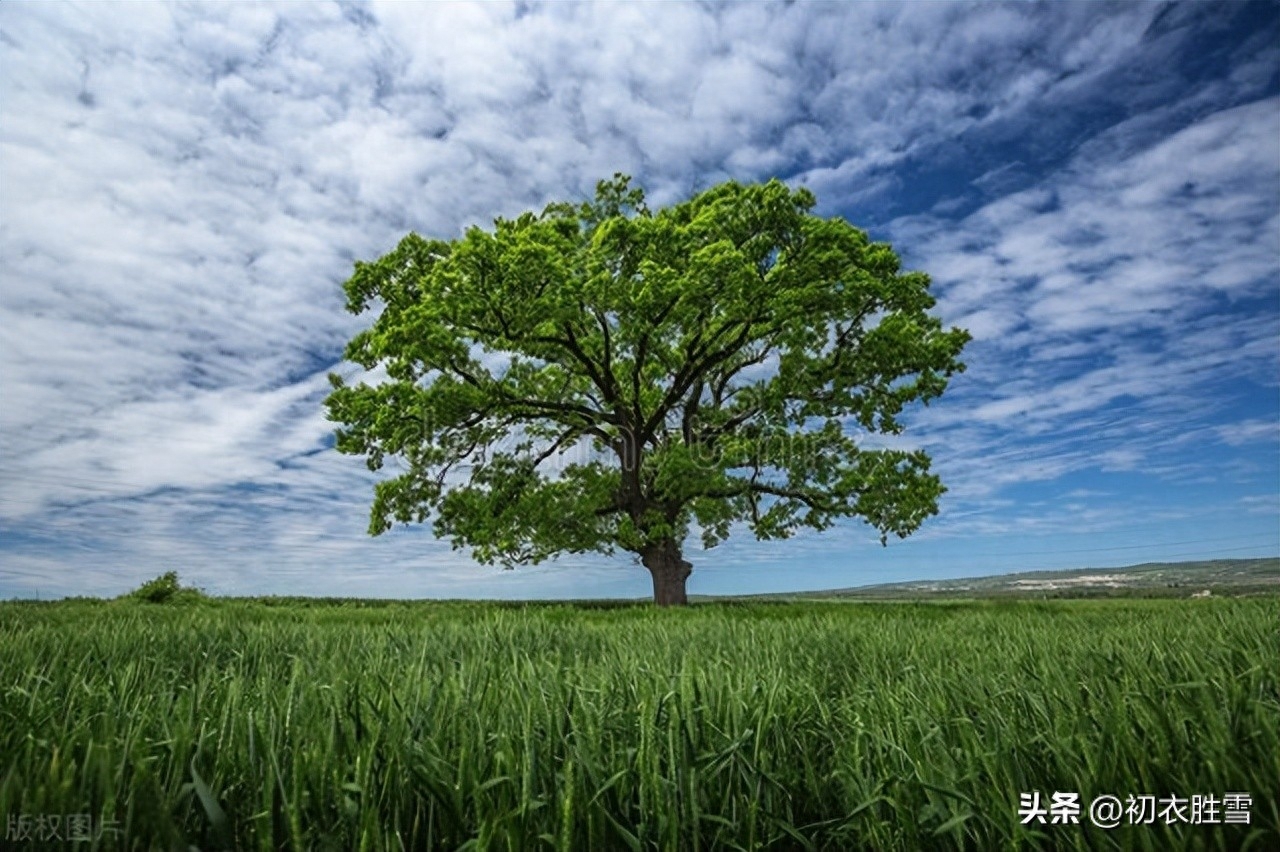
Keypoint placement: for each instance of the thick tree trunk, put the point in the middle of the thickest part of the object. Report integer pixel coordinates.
(670, 571)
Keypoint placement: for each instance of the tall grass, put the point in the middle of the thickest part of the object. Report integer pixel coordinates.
(439, 726)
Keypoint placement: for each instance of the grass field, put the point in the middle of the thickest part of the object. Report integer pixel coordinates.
(288, 725)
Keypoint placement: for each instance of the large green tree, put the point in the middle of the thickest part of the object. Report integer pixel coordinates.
(600, 377)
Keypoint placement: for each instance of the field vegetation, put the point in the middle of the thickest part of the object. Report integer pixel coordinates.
(286, 724)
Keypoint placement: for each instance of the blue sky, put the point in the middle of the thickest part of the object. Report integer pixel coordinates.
(1094, 188)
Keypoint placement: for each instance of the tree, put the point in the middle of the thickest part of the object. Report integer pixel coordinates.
(600, 377)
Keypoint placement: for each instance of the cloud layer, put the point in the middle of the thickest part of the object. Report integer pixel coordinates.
(183, 188)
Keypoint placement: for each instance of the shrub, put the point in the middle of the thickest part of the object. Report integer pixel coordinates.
(164, 589)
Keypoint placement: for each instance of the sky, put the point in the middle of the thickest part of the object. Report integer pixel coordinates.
(1094, 189)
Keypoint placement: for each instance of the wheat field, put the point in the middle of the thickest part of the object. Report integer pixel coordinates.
(296, 725)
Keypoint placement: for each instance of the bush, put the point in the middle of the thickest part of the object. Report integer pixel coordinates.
(164, 589)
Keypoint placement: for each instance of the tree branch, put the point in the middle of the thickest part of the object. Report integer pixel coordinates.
(571, 433)
(696, 366)
(752, 486)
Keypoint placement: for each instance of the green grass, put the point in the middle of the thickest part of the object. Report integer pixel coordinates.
(783, 726)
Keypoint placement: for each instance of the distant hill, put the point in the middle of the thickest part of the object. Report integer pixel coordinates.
(1152, 579)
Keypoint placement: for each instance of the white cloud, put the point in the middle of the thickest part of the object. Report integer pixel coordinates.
(1248, 431)
(1111, 284)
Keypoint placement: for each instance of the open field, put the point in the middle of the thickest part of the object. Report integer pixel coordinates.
(1234, 577)
(285, 725)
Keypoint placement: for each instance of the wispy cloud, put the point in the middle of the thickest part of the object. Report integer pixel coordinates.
(1113, 298)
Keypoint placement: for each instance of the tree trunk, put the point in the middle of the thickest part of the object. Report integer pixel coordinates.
(669, 569)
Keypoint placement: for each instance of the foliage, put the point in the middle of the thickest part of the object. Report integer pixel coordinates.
(601, 376)
(164, 589)
(762, 726)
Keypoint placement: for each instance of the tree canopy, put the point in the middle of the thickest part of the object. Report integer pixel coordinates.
(599, 376)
